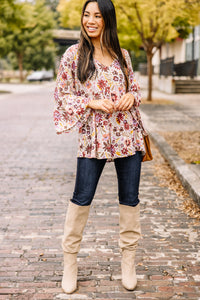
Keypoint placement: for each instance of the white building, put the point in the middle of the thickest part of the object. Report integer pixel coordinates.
(183, 50)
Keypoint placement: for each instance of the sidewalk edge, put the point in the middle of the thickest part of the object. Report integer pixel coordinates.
(188, 178)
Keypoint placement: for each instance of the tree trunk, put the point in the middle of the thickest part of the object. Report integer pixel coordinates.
(20, 65)
(160, 56)
(150, 72)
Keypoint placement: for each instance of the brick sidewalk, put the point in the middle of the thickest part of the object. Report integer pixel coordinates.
(37, 178)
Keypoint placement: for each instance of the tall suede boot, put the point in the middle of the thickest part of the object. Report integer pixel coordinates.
(130, 233)
(75, 222)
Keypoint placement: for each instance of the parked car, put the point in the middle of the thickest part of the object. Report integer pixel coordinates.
(40, 75)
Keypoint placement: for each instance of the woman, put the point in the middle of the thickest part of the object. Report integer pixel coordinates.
(96, 91)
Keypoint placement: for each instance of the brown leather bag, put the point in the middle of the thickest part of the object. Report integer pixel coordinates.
(148, 155)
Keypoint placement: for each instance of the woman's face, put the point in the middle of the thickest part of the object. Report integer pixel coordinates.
(92, 20)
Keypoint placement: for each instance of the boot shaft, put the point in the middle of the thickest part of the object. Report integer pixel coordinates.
(76, 219)
(130, 229)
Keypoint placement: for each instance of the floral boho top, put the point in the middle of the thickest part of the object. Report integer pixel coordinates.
(101, 135)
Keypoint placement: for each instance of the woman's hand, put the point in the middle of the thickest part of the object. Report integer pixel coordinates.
(103, 104)
(126, 102)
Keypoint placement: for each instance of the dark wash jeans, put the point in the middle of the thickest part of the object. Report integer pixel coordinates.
(89, 171)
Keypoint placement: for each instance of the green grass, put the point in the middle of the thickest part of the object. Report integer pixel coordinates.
(4, 92)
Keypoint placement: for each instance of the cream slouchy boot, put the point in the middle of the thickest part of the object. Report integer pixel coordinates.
(130, 233)
(75, 222)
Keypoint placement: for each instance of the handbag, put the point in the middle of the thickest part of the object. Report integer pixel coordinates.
(148, 155)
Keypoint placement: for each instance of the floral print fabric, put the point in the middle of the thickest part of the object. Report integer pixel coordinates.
(101, 135)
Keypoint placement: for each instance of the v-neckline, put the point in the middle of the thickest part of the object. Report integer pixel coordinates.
(107, 67)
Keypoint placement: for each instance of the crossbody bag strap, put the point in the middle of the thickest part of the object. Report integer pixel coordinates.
(141, 126)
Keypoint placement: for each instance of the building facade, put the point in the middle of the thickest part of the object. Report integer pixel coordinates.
(184, 53)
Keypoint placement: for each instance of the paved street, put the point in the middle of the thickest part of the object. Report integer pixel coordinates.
(37, 170)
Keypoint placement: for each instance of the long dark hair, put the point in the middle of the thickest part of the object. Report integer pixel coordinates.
(86, 67)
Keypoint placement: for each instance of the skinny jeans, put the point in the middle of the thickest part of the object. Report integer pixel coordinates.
(89, 170)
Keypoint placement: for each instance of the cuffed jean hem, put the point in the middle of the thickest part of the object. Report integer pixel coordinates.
(80, 204)
(128, 204)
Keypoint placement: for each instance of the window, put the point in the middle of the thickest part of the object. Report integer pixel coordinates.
(193, 41)
(188, 52)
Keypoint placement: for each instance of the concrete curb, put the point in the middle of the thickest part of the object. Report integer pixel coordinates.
(188, 178)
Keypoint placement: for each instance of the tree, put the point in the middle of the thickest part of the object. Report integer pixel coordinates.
(143, 23)
(41, 50)
(8, 19)
(28, 34)
(157, 22)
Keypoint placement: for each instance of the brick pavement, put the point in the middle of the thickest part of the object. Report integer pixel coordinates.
(37, 176)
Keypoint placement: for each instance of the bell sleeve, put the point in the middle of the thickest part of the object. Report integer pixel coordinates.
(134, 87)
(70, 105)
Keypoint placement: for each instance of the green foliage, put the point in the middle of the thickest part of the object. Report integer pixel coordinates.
(127, 37)
(70, 13)
(152, 24)
(159, 21)
(6, 14)
(11, 18)
(137, 58)
(41, 50)
(182, 26)
(52, 5)
(26, 33)
(149, 22)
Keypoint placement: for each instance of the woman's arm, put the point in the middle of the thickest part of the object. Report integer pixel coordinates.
(70, 109)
